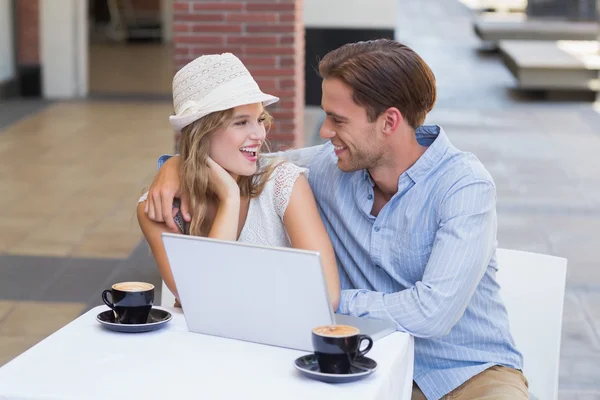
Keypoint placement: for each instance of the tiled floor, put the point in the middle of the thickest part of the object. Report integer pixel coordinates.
(12, 111)
(70, 183)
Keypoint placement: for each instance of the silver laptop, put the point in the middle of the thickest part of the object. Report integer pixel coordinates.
(268, 295)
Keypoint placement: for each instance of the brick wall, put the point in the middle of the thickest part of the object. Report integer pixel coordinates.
(28, 31)
(267, 35)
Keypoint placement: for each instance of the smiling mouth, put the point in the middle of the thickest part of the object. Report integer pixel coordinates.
(249, 152)
(338, 149)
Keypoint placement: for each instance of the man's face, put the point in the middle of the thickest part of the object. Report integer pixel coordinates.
(355, 142)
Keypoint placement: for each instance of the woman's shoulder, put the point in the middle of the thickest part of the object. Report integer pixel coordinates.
(282, 173)
(279, 187)
(287, 170)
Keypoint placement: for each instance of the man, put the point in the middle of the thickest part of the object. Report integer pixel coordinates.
(412, 220)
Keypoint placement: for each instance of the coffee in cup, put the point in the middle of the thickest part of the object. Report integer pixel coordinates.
(130, 301)
(337, 346)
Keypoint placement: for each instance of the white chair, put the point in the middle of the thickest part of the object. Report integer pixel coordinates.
(533, 288)
(167, 299)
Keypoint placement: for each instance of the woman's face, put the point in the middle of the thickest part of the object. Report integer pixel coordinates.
(236, 146)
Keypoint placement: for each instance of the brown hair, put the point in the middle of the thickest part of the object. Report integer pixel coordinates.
(194, 174)
(384, 73)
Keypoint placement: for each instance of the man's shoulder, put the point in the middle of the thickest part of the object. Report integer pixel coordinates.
(319, 159)
(452, 164)
(464, 166)
(461, 174)
(459, 170)
(325, 158)
(303, 157)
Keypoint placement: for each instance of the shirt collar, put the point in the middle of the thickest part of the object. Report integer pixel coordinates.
(432, 136)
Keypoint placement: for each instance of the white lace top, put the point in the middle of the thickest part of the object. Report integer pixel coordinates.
(264, 223)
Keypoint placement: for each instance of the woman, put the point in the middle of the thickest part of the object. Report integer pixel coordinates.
(235, 194)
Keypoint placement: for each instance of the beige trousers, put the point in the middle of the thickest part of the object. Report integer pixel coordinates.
(495, 383)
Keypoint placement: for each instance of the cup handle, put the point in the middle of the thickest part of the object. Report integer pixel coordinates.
(105, 299)
(361, 353)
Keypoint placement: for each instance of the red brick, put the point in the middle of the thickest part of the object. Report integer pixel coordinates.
(284, 93)
(270, 50)
(283, 114)
(264, 80)
(218, 6)
(252, 18)
(28, 32)
(286, 61)
(270, 28)
(270, 6)
(214, 40)
(278, 72)
(200, 49)
(284, 124)
(266, 85)
(217, 28)
(287, 83)
(252, 40)
(181, 27)
(287, 17)
(286, 39)
(259, 61)
(182, 51)
(182, 6)
(204, 17)
(183, 60)
(283, 104)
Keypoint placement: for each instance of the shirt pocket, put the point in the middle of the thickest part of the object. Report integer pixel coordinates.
(411, 254)
(415, 243)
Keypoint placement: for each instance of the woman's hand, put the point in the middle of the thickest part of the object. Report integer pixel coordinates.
(225, 224)
(223, 184)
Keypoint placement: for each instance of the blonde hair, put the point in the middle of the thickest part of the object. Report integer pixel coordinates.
(194, 174)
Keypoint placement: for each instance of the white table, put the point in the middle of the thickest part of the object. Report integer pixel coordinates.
(83, 360)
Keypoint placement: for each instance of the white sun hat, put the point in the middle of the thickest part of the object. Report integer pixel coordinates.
(210, 83)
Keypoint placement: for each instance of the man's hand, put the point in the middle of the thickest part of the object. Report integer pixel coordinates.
(166, 187)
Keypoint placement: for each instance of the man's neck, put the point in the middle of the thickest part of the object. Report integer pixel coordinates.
(400, 158)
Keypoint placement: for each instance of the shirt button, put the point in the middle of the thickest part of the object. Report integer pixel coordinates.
(377, 229)
(370, 197)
